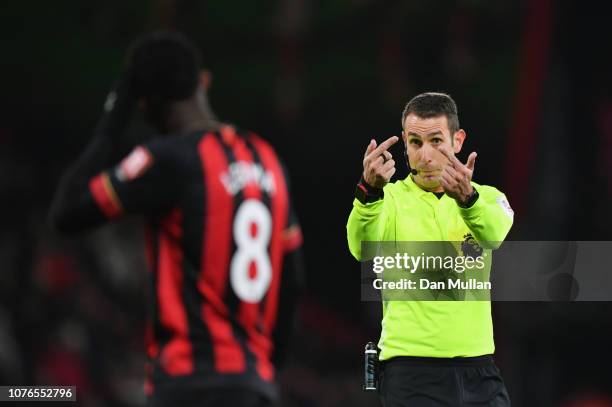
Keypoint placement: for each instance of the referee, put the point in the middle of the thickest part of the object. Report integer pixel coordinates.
(433, 353)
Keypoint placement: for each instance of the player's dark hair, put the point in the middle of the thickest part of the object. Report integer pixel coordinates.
(433, 104)
(164, 66)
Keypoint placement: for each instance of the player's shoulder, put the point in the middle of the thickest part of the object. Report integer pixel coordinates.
(229, 135)
(257, 140)
(172, 152)
(229, 132)
(261, 145)
(165, 143)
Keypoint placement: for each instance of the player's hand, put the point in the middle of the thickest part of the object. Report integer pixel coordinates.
(456, 177)
(378, 163)
(121, 96)
(113, 124)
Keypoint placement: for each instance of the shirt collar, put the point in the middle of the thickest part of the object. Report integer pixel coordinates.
(413, 187)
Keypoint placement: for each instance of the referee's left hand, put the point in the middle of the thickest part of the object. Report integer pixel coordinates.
(456, 177)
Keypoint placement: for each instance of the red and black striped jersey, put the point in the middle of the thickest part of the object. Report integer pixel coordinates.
(219, 224)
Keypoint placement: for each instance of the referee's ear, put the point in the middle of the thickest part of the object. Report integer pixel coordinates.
(458, 139)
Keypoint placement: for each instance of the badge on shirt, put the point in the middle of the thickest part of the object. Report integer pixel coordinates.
(503, 202)
(134, 165)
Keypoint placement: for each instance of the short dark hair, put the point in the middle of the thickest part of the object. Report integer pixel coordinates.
(164, 66)
(433, 104)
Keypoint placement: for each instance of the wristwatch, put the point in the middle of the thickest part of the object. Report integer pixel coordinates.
(471, 199)
(366, 193)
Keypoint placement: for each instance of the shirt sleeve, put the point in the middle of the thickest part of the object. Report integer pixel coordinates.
(490, 218)
(366, 223)
(144, 182)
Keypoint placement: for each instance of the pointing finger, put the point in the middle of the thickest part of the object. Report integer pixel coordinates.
(385, 145)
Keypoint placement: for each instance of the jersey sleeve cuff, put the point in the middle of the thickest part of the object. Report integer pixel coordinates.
(474, 211)
(105, 196)
(370, 206)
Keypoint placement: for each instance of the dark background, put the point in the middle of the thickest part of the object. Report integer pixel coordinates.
(318, 79)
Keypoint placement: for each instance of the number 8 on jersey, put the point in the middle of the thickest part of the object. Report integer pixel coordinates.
(250, 268)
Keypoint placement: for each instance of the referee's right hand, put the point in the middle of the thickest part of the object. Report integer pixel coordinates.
(378, 163)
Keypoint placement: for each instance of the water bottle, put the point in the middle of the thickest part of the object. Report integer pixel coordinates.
(371, 364)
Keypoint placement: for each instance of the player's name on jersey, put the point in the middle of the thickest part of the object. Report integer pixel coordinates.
(243, 173)
(426, 284)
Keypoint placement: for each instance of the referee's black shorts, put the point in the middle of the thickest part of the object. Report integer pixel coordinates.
(435, 382)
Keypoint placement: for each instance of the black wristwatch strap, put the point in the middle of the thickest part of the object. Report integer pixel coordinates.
(366, 193)
(471, 200)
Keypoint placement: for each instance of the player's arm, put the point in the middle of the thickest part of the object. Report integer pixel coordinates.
(369, 214)
(485, 210)
(73, 207)
(142, 183)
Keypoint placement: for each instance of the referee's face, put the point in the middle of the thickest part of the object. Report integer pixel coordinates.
(423, 138)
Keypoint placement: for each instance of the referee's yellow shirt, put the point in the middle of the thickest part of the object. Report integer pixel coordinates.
(408, 213)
